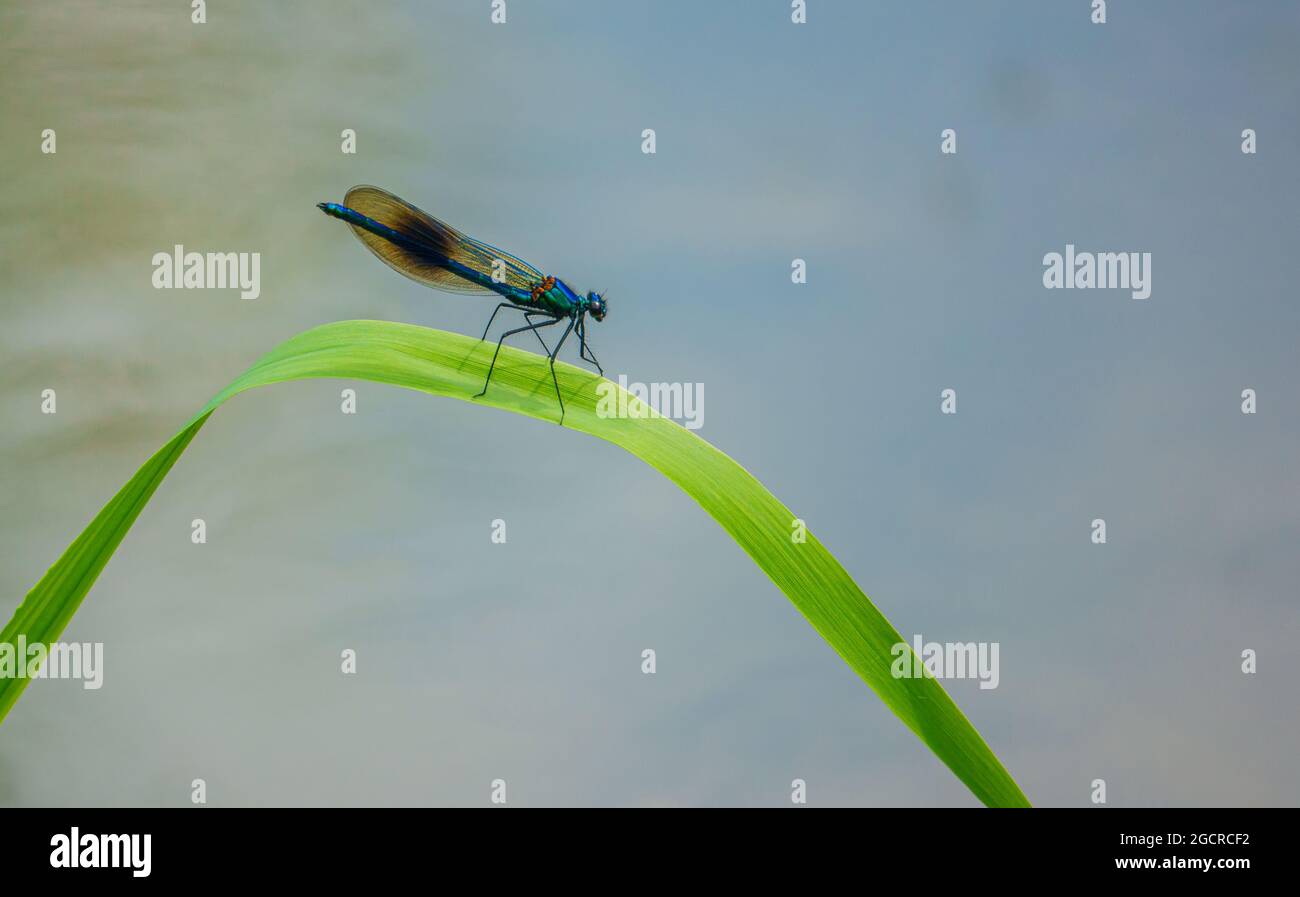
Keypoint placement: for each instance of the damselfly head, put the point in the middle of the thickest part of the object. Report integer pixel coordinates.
(597, 305)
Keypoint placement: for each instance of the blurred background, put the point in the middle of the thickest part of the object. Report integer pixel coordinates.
(774, 141)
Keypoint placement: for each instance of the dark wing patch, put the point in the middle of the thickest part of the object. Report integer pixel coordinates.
(431, 244)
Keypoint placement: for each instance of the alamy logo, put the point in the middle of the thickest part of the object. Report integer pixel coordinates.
(78, 851)
(683, 402)
(57, 660)
(1098, 271)
(179, 269)
(947, 660)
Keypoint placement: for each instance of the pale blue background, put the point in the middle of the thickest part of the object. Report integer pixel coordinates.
(774, 142)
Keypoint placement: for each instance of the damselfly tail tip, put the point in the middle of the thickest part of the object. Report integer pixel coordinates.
(333, 209)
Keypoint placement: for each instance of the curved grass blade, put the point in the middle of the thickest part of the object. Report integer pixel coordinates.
(453, 365)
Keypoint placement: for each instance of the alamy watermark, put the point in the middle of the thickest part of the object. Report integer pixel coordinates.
(946, 660)
(57, 660)
(178, 269)
(89, 851)
(1098, 271)
(683, 402)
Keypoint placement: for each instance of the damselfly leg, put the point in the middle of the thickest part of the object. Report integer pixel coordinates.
(528, 316)
(555, 379)
(584, 350)
(533, 327)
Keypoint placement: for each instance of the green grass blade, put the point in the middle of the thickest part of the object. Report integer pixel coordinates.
(453, 365)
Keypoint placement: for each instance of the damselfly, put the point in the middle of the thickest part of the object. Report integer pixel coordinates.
(428, 251)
